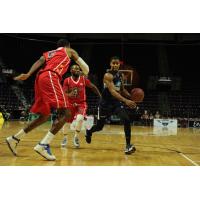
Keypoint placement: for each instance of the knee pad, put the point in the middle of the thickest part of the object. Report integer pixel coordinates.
(79, 118)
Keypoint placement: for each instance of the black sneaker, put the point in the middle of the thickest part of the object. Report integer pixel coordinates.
(88, 137)
(130, 149)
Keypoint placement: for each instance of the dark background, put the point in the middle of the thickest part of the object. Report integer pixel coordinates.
(19, 51)
(150, 55)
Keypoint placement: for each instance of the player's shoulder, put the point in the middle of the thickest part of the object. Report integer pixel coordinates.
(66, 79)
(71, 51)
(84, 78)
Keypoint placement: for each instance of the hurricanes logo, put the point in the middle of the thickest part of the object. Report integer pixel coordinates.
(75, 92)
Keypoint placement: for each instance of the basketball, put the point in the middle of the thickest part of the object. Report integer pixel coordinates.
(137, 95)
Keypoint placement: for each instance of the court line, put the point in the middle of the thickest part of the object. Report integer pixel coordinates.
(187, 158)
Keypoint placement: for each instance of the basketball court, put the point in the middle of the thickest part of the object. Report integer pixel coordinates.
(106, 149)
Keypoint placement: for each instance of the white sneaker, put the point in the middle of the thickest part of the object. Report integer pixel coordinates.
(130, 149)
(44, 151)
(64, 142)
(12, 143)
(76, 142)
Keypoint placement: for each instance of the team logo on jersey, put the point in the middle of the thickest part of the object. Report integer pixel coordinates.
(51, 53)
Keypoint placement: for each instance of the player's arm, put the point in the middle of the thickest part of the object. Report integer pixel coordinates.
(108, 80)
(94, 89)
(83, 65)
(124, 91)
(34, 67)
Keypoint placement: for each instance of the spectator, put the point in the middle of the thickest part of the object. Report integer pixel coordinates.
(151, 117)
(145, 118)
(157, 115)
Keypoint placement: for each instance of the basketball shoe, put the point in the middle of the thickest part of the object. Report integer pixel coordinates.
(130, 149)
(12, 143)
(88, 136)
(76, 142)
(44, 151)
(64, 142)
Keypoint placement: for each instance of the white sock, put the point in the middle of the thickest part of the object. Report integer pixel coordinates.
(63, 129)
(48, 138)
(20, 134)
(76, 134)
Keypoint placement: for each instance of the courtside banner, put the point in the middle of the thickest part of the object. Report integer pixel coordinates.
(194, 124)
(165, 127)
(169, 123)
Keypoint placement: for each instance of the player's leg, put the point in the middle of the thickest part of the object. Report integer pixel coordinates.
(63, 115)
(38, 107)
(80, 115)
(14, 140)
(103, 112)
(64, 132)
(43, 147)
(52, 95)
(123, 115)
(66, 127)
(79, 122)
(54, 119)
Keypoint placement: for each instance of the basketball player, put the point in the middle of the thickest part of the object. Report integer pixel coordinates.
(74, 87)
(115, 98)
(48, 95)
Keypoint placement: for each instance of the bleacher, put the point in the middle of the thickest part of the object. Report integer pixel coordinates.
(8, 99)
(182, 104)
(150, 102)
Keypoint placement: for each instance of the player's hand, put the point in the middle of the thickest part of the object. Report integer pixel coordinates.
(21, 77)
(130, 104)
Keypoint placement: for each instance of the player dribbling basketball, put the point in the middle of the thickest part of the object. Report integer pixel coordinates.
(114, 102)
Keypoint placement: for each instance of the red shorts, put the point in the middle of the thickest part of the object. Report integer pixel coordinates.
(76, 109)
(48, 93)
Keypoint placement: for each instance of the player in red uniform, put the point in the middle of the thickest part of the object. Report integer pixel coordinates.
(48, 94)
(74, 86)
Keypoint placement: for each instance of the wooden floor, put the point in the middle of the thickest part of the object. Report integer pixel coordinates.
(106, 148)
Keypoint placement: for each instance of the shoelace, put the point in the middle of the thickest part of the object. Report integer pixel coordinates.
(47, 148)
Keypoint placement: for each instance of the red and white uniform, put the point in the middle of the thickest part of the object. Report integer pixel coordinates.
(77, 103)
(48, 90)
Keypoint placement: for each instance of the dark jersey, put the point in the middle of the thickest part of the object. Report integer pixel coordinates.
(117, 80)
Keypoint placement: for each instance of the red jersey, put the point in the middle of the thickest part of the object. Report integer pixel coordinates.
(57, 61)
(78, 87)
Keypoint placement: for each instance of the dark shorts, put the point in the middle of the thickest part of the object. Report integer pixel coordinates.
(48, 94)
(108, 108)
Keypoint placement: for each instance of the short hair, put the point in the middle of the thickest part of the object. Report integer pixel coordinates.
(63, 43)
(74, 66)
(114, 58)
